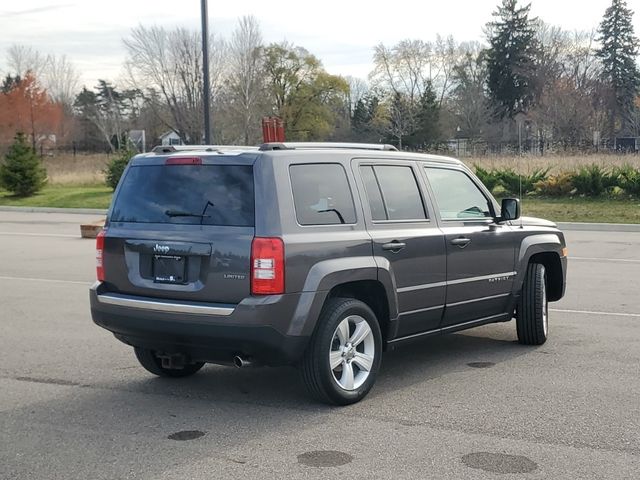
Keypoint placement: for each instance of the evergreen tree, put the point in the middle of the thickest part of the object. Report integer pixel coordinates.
(428, 120)
(511, 58)
(401, 119)
(22, 173)
(363, 120)
(620, 72)
(360, 118)
(9, 83)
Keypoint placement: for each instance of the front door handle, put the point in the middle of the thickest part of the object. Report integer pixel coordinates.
(461, 242)
(394, 246)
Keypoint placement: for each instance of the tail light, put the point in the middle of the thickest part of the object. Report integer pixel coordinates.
(267, 266)
(99, 255)
(183, 161)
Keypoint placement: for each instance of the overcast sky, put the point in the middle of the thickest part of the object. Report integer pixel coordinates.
(341, 33)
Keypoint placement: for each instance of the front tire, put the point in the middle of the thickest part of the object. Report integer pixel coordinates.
(532, 321)
(342, 360)
(150, 361)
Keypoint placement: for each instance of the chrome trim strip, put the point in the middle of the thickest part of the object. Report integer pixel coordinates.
(416, 335)
(422, 287)
(484, 277)
(420, 310)
(480, 299)
(122, 301)
(456, 282)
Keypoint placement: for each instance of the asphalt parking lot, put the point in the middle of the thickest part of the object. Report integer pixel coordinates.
(74, 404)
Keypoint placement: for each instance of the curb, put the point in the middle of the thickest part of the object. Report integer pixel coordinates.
(599, 227)
(85, 211)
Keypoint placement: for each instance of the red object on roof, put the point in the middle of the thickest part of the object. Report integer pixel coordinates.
(272, 129)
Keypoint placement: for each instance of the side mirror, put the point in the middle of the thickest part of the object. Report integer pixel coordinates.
(510, 209)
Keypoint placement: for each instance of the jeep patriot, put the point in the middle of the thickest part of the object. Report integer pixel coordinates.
(320, 256)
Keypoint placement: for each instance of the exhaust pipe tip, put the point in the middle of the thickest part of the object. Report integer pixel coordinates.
(241, 362)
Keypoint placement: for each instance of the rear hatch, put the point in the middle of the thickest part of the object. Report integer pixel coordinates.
(181, 228)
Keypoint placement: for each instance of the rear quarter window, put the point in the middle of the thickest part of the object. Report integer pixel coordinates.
(321, 194)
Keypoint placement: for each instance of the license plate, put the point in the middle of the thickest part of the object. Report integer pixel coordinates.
(169, 269)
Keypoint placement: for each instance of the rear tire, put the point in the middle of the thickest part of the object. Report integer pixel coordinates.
(153, 364)
(342, 360)
(532, 321)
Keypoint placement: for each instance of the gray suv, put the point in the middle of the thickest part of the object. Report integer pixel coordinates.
(320, 256)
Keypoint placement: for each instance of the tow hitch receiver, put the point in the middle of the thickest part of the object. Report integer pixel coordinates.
(174, 361)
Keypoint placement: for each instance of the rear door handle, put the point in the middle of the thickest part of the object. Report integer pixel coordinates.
(394, 246)
(461, 242)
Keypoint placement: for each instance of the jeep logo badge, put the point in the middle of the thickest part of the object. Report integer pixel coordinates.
(161, 248)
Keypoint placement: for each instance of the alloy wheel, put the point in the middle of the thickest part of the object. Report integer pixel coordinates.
(352, 352)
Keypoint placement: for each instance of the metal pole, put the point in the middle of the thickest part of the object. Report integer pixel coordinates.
(520, 138)
(206, 91)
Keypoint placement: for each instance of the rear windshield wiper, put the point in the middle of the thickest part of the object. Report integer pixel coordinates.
(178, 213)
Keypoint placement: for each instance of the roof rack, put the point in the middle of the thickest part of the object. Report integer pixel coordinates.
(206, 148)
(327, 145)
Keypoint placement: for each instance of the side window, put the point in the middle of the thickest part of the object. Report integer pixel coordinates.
(321, 194)
(373, 193)
(456, 194)
(393, 193)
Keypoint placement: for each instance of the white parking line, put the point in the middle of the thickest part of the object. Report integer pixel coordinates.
(48, 280)
(589, 312)
(29, 234)
(601, 259)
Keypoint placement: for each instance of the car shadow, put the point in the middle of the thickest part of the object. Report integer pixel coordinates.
(439, 356)
(225, 406)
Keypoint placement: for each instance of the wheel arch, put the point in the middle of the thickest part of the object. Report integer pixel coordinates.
(370, 292)
(352, 276)
(546, 249)
(553, 268)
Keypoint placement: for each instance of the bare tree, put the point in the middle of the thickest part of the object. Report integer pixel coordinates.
(409, 70)
(61, 80)
(569, 106)
(246, 87)
(408, 66)
(358, 88)
(22, 59)
(447, 54)
(468, 100)
(55, 73)
(170, 64)
(404, 68)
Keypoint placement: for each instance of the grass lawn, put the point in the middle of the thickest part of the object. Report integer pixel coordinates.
(595, 210)
(599, 210)
(62, 196)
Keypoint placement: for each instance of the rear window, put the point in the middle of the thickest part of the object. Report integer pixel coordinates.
(187, 194)
(321, 194)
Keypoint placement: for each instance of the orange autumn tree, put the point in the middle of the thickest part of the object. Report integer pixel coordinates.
(25, 107)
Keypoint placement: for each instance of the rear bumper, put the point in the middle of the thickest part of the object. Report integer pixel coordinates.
(257, 327)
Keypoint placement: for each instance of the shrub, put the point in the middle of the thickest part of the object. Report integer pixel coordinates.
(628, 179)
(116, 167)
(514, 183)
(558, 185)
(22, 173)
(490, 178)
(593, 180)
